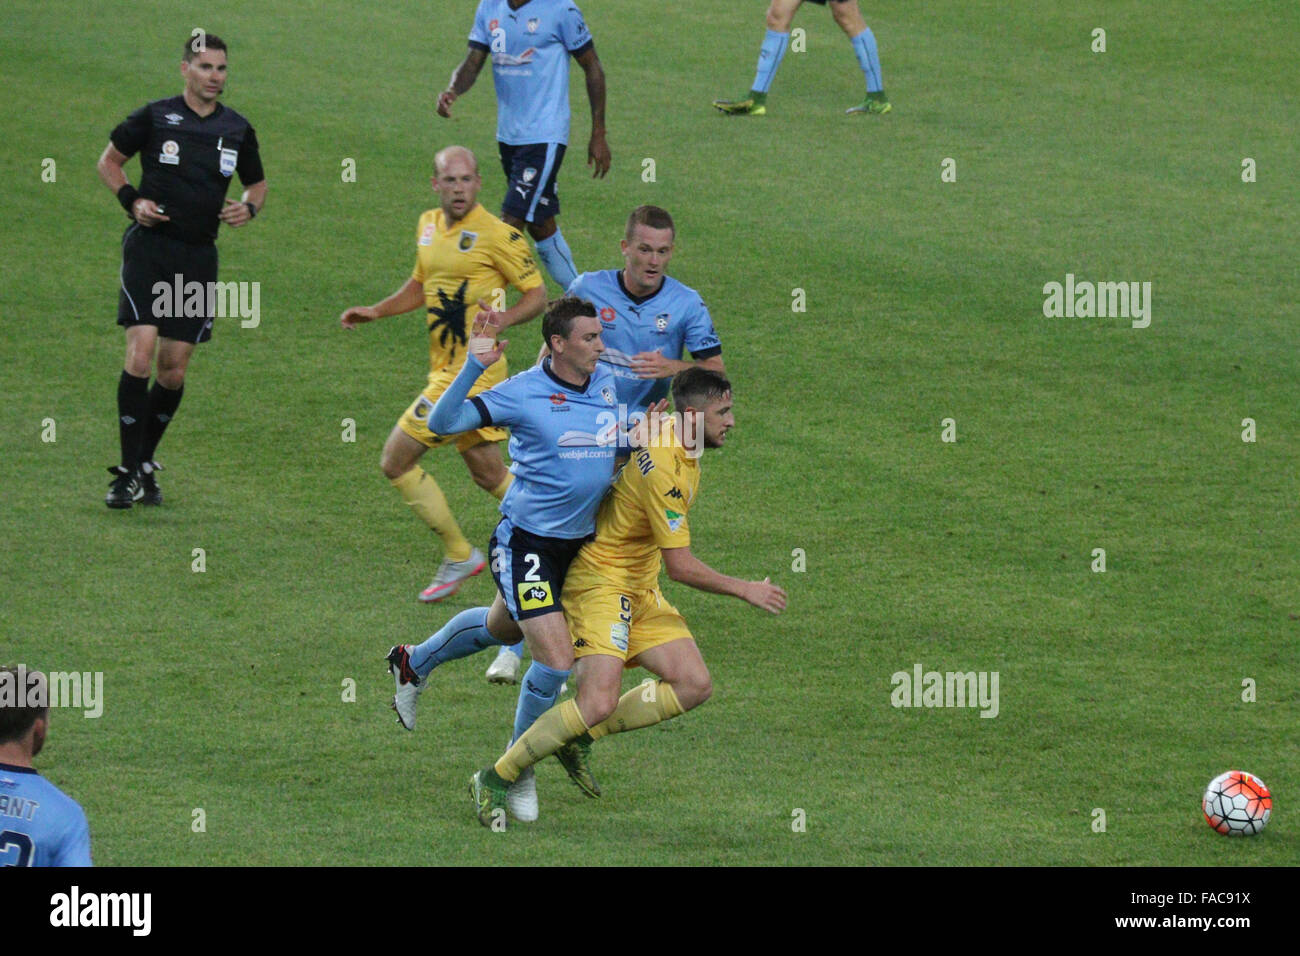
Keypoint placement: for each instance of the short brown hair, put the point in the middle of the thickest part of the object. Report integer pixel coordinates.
(16, 721)
(210, 42)
(651, 216)
(696, 387)
(560, 314)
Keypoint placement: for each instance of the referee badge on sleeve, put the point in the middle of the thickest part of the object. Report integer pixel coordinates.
(229, 159)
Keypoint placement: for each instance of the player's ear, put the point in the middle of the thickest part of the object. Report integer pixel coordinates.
(39, 729)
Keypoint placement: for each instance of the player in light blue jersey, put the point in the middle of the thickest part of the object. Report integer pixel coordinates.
(564, 427)
(649, 321)
(530, 42)
(39, 824)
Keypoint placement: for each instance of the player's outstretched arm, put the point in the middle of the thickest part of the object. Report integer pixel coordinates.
(462, 78)
(408, 297)
(685, 568)
(598, 155)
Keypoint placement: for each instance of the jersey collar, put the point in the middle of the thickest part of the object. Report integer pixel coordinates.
(12, 768)
(466, 220)
(639, 299)
(202, 119)
(580, 389)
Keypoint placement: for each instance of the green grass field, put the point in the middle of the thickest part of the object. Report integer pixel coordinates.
(1119, 690)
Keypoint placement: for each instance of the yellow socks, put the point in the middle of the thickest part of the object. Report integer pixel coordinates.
(640, 707)
(421, 492)
(549, 733)
(500, 490)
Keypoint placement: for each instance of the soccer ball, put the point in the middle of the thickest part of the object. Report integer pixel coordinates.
(1237, 803)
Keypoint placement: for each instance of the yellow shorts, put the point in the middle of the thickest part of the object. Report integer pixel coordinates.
(414, 420)
(619, 622)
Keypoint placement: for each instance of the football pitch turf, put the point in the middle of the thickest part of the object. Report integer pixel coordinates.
(226, 691)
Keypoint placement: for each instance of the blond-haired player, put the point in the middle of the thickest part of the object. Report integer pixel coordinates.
(616, 614)
(464, 254)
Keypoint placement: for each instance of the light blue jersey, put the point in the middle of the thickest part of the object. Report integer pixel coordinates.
(671, 322)
(562, 442)
(530, 49)
(39, 824)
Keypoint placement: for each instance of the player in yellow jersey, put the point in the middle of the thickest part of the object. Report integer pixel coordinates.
(464, 255)
(617, 615)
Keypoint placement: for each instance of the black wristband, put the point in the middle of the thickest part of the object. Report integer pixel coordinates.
(127, 196)
(252, 210)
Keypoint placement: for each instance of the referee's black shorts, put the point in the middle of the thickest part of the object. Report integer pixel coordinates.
(149, 258)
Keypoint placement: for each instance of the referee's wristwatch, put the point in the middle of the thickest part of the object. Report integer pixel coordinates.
(252, 210)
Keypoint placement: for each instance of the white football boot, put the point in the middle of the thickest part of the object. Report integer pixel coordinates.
(409, 685)
(521, 798)
(505, 668)
(450, 574)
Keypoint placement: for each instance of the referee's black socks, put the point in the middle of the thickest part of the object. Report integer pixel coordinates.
(132, 410)
(163, 403)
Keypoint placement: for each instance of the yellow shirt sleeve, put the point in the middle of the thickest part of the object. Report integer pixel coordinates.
(513, 260)
(422, 235)
(665, 503)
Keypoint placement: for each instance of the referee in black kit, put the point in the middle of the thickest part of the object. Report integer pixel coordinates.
(189, 147)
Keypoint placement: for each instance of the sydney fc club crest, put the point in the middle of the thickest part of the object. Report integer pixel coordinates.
(607, 394)
(661, 322)
(532, 24)
(467, 240)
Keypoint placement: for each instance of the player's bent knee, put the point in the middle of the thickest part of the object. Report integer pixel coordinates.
(542, 230)
(694, 690)
(597, 703)
(171, 378)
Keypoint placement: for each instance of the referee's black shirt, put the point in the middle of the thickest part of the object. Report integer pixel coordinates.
(187, 161)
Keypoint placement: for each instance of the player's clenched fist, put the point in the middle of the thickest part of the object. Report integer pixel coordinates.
(483, 344)
(445, 99)
(148, 213)
(358, 315)
(766, 595)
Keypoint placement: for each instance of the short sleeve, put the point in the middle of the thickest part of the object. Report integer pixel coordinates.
(515, 262)
(701, 338)
(75, 848)
(574, 32)
(479, 34)
(417, 273)
(132, 134)
(249, 166)
(665, 503)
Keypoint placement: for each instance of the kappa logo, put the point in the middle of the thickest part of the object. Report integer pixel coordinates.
(173, 119)
(674, 492)
(467, 240)
(579, 642)
(608, 315)
(661, 322)
(534, 595)
(514, 236)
